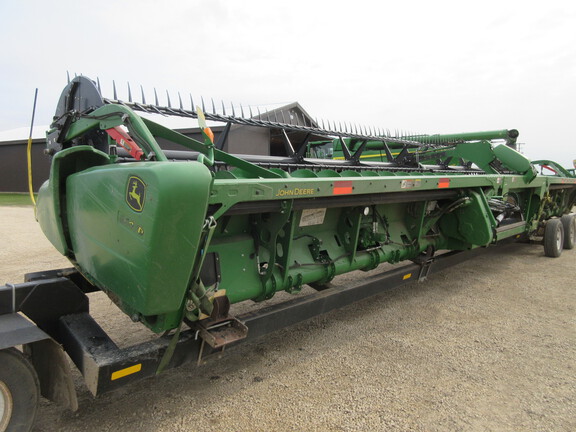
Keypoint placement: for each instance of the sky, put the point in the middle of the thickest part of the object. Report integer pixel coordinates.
(438, 66)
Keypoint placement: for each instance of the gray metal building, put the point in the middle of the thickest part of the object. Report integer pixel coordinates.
(241, 140)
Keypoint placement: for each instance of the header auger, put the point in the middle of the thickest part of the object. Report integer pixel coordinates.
(177, 237)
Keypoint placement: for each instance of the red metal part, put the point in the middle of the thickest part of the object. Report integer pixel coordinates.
(123, 139)
(443, 183)
(342, 187)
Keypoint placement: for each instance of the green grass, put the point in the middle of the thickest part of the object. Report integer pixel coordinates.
(15, 199)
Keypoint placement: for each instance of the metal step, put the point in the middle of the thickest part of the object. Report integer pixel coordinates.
(221, 332)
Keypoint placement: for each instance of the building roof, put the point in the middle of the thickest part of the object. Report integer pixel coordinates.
(18, 135)
(292, 113)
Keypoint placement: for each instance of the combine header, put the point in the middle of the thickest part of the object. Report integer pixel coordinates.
(176, 237)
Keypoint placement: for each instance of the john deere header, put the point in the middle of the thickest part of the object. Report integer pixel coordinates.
(179, 236)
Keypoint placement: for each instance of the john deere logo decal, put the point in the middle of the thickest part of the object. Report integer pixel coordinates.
(135, 193)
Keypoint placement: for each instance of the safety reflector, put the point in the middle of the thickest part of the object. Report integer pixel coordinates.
(127, 371)
(342, 187)
(443, 183)
(407, 276)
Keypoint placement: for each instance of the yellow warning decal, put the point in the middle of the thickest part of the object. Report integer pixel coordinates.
(127, 371)
(407, 276)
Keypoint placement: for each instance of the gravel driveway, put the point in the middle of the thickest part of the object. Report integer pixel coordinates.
(489, 345)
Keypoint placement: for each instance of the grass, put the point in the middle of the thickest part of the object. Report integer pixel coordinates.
(15, 199)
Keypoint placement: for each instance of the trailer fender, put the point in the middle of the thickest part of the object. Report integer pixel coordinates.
(54, 372)
(46, 355)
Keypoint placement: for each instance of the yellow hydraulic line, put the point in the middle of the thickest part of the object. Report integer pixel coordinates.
(29, 153)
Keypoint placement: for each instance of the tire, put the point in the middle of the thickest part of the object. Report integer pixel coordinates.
(19, 392)
(569, 224)
(553, 238)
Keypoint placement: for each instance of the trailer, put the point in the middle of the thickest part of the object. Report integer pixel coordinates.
(175, 238)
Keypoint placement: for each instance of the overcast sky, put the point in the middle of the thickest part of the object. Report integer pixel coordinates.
(421, 66)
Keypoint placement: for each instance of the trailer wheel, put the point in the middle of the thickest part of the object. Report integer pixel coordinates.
(19, 392)
(569, 224)
(553, 238)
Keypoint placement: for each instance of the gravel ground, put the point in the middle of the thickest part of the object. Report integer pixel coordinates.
(486, 346)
